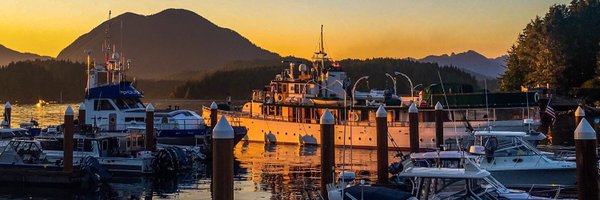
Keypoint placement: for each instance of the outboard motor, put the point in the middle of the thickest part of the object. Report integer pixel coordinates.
(170, 161)
(94, 174)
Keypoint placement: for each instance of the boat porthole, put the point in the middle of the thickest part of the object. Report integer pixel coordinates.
(294, 134)
(392, 139)
(339, 138)
(262, 131)
(359, 138)
(349, 138)
(277, 132)
(285, 133)
(420, 139)
(370, 139)
(432, 139)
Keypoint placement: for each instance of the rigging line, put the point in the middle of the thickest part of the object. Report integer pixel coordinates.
(448, 106)
(487, 108)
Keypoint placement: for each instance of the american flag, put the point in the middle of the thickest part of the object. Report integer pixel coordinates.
(550, 112)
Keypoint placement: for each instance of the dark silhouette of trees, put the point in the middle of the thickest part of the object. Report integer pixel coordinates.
(29, 81)
(240, 81)
(559, 49)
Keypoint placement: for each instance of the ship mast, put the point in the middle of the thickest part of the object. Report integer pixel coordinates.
(321, 56)
(107, 51)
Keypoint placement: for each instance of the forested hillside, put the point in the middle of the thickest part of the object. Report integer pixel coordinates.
(560, 49)
(239, 82)
(28, 81)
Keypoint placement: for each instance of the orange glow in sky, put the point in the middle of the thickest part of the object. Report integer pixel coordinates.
(353, 29)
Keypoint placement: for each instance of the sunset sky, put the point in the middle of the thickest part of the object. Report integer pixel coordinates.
(353, 29)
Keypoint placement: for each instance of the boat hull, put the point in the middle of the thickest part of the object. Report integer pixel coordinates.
(363, 133)
(540, 177)
(192, 138)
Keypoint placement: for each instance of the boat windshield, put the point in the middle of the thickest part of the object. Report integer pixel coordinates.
(128, 103)
(454, 188)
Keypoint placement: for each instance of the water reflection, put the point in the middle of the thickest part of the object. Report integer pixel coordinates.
(293, 172)
(261, 171)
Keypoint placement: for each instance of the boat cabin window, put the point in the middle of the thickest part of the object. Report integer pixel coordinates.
(121, 104)
(104, 145)
(6, 135)
(57, 145)
(103, 105)
(134, 119)
(455, 188)
(134, 103)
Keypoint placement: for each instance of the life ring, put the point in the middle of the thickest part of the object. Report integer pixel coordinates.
(279, 98)
(353, 117)
(536, 97)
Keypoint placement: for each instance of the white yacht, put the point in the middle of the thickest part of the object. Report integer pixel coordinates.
(509, 158)
(466, 182)
(288, 109)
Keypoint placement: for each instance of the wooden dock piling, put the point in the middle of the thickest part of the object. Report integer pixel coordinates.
(439, 125)
(586, 159)
(68, 141)
(222, 166)
(413, 121)
(150, 146)
(382, 145)
(327, 150)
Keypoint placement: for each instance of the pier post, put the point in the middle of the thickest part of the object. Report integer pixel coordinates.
(213, 114)
(150, 128)
(587, 162)
(7, 113)
(382, 145)
(81, 114)
(68, 141)
(222, 166)
(327, 150)
(439, 125)
(213, 120)
(413, 121)
(579, 115)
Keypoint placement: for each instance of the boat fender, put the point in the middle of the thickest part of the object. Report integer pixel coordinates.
(279, 98)
(353, 117)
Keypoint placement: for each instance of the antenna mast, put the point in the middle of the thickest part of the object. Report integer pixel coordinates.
(107, 51)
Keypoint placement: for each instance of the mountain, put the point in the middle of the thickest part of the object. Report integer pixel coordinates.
(472, 62)
(8, 55)
(167, 43)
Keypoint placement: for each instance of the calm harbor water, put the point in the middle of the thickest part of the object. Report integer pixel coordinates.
(261, 171)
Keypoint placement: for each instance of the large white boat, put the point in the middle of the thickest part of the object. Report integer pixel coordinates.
(288, 110)
(508, 157)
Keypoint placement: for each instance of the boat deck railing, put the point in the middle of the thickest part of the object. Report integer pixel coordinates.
(173, 124)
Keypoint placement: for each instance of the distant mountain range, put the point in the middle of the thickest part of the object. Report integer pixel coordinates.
(167, 43)
(472, 62)
(8, 55)
(180, 44)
